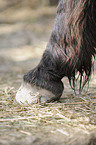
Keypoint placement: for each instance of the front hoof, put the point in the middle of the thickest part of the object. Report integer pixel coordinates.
(28, 94)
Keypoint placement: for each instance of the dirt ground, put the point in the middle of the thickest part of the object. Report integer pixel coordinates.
(24, 34)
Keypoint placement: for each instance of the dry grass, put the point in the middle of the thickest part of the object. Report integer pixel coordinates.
(68, 117)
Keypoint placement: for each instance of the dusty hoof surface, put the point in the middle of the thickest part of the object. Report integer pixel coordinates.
(28, 94)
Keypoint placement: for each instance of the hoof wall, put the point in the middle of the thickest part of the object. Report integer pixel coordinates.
(28, 94)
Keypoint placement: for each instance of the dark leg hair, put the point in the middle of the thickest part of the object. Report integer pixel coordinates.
(46, 76)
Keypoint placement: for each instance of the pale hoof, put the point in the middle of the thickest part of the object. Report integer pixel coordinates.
(28, 94)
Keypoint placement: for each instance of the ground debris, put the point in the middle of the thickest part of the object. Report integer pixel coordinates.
(72, 121)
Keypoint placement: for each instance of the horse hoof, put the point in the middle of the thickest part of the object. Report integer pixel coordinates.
(30, 94)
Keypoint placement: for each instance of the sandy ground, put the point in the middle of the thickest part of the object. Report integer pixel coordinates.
(24, 34)
(23, 39)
